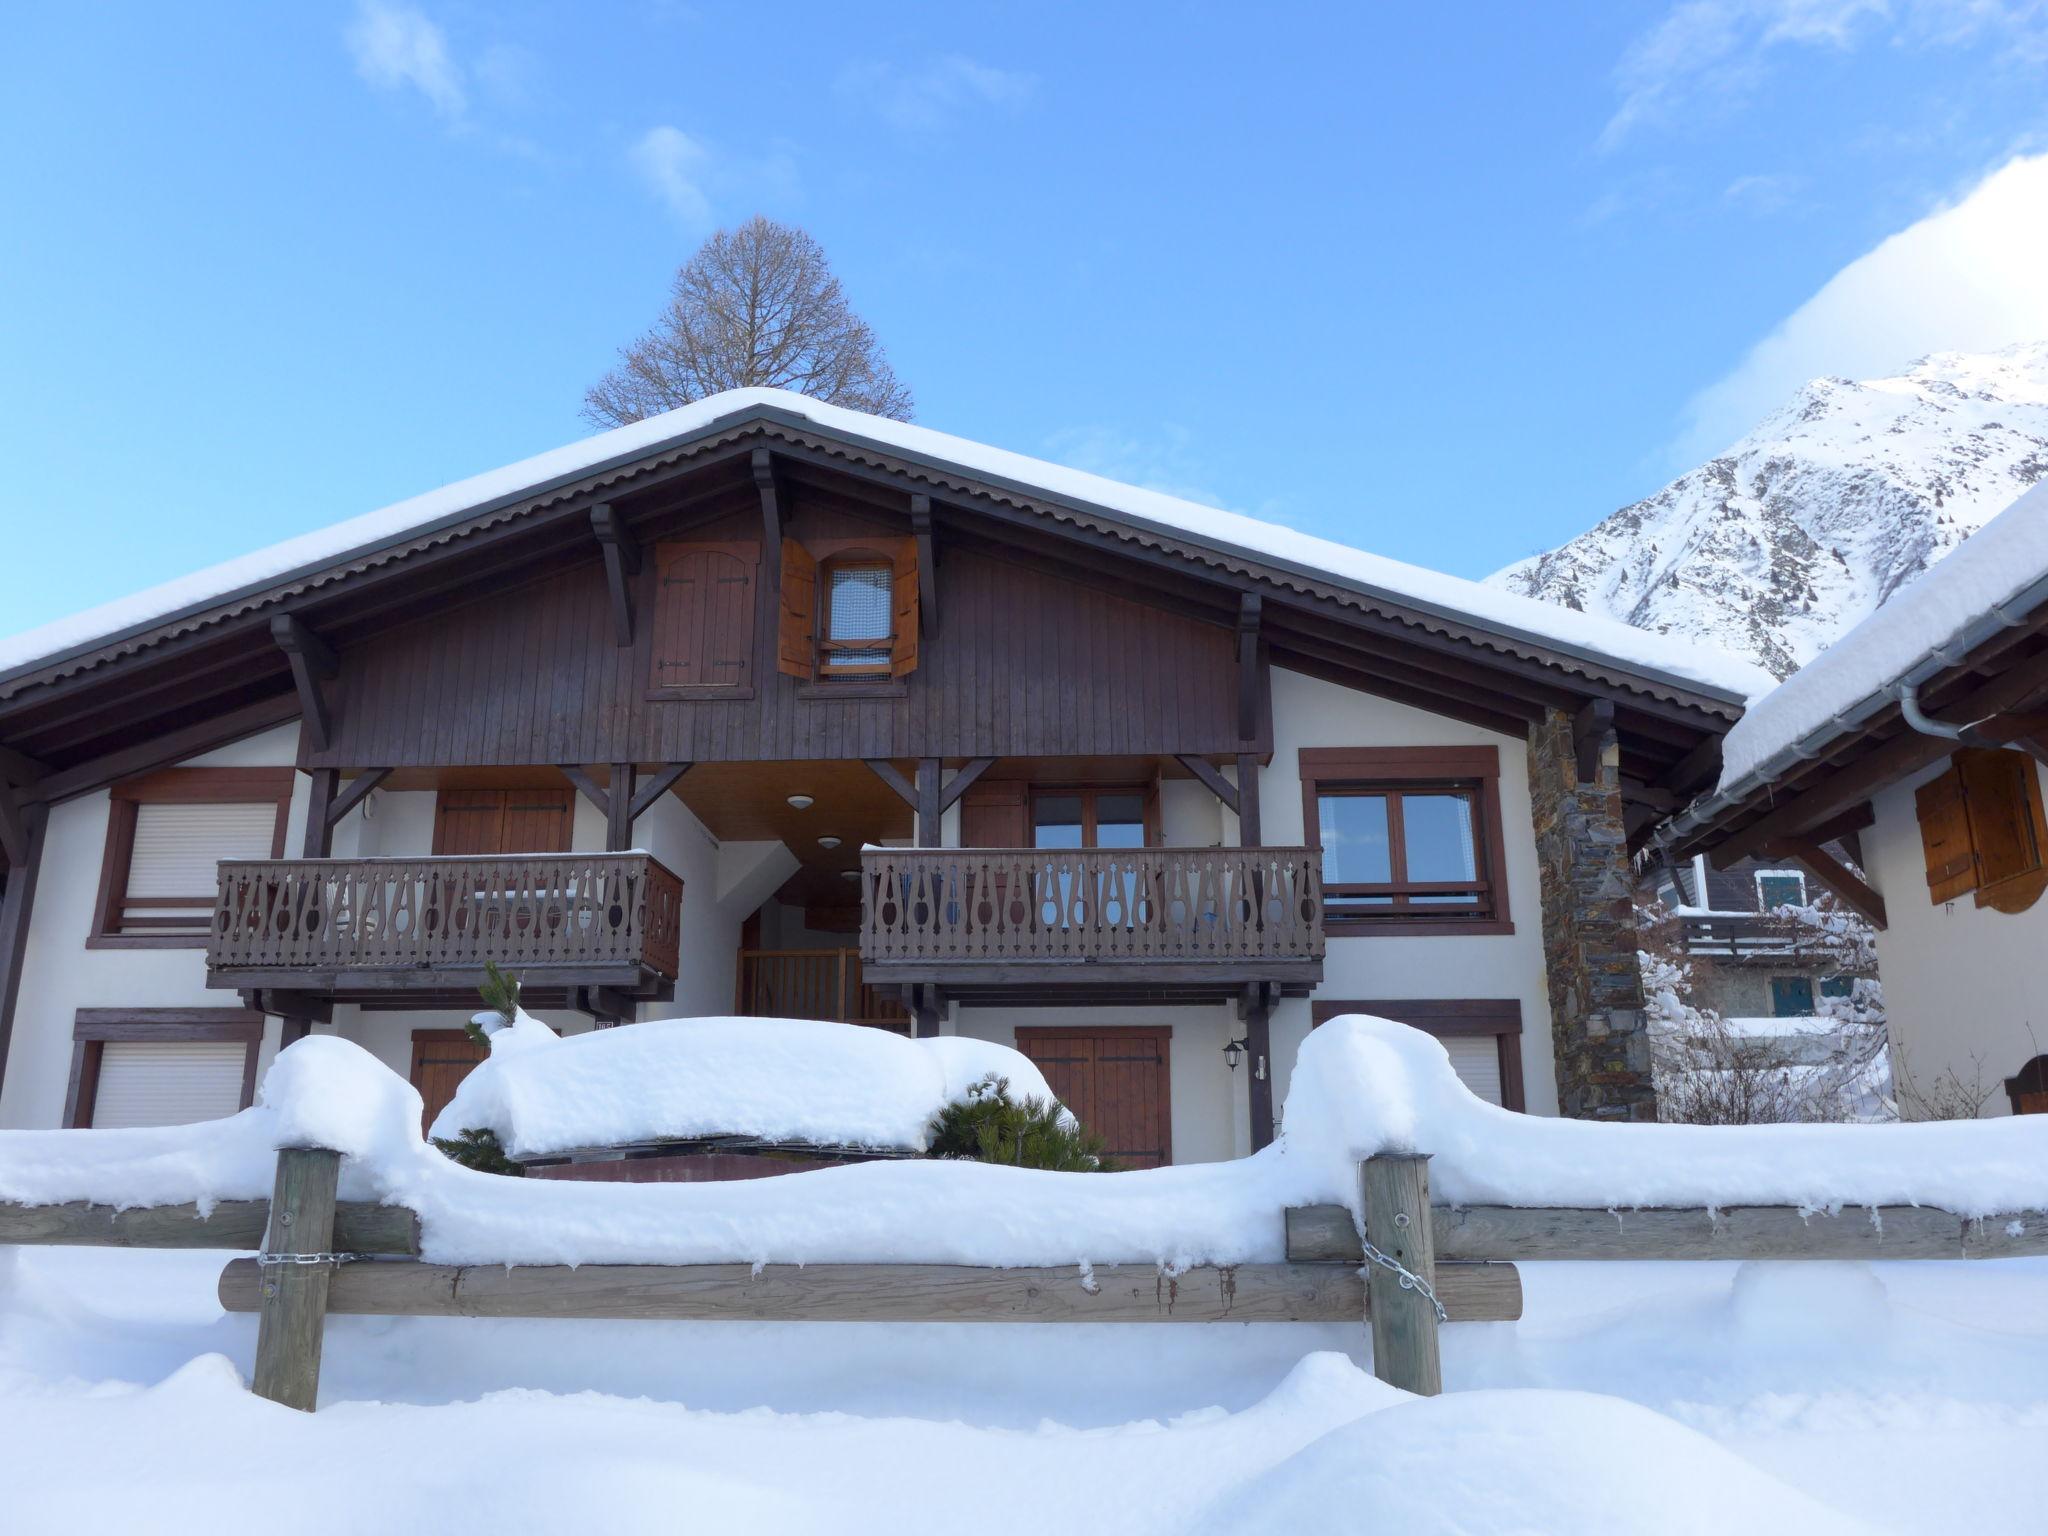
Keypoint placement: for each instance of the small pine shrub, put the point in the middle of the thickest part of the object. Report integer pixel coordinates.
(481, 1150)
(501, 995)
(989, 1126)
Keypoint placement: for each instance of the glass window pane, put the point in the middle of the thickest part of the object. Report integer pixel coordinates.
(1354, 837)
(859, 610)
(1056, 821)
(1780, 891)
(1120, 821)
(1438, 831)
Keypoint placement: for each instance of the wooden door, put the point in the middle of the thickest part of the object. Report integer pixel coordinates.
(1116, 1083)
(484, 822)
(441, 1059)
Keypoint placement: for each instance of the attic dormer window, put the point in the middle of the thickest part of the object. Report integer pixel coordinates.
(849, 610)
(857, 631)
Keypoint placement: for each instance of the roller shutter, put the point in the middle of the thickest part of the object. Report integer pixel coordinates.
(168, 1082)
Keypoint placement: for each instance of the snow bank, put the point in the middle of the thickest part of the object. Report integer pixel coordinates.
(672, 1079)
(1362, 1085)
(1676, 656)
(2008, 555)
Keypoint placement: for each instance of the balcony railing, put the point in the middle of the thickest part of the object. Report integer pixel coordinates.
(951, 906)
(1739, 935)
(572, 916)
(814, 984)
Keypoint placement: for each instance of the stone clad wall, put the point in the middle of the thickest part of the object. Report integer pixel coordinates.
(1589, 935)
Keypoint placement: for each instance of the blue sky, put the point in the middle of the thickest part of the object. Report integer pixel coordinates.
(1449, 282)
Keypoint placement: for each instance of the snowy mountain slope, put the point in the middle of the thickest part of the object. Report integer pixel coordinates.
(1777, 546)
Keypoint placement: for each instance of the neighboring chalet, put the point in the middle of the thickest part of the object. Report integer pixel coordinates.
(1922, 732)
(1750, 958)
(768, 707)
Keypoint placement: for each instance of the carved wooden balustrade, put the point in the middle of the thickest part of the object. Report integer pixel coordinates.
(1243, 908)
(394, 922)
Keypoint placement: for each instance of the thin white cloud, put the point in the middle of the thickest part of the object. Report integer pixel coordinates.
(930, 95)
(1707, 55)
(397, 48)
(1166, 461)
(674, 165)
(1969, 277)
(1762, 193)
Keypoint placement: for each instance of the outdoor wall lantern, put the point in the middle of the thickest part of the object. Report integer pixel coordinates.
(1235, 1052)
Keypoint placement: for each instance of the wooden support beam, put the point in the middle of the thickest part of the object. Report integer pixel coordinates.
(294, 1296)
(1482, 1233)
(312, 661)
(1109, 1293)
(658, 783)
(621, 564)
(958, 784)
(19, 769)
(927, 567)
(359, 1226)
(1250, 834)
(890, 775)
(1249, 608)
(1404, 1322)
(928, 812)
(1592, 733)
(299, 1010)
(355, 793)
(1697, 769)
(618, 809)
(1837, 877)
(13, 827)
(1211, 778)
(17, 904)
(1255, 1007)
(316, 839)
(1635, 792)
(771, 516)
(589, 788)
(1858, 818)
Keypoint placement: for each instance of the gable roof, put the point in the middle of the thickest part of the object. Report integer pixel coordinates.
(1615, 650)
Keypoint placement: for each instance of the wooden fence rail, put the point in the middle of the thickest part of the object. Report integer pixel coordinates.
(1461, 1257)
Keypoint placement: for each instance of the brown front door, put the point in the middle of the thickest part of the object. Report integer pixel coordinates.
(441, 1059)
(1115, 1082)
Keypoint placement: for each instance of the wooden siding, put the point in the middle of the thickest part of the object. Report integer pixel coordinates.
(1022, 662)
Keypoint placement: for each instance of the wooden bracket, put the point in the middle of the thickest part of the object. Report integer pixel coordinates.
(589, 788)
(771, 515)
(605, 1003)
(957, 785)
(312, 661)
(1592, 733)
(1211, 777)
(927, 568)
(308, 1006)
(14, 837)
(19, 769)
(358, 791)
(1698, 768)
(1652, 796)
(888, 773)
(1836, 876)
(621, 561)
(658, 784)
(1249, 609)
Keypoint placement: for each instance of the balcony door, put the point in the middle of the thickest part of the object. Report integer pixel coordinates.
(483, 823)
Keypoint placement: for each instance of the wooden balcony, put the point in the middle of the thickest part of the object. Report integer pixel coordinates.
(1071, 925)
(815, 984)
(407, 932)
(1738, 936)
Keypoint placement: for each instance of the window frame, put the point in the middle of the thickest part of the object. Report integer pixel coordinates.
(93, 1028)
(1761, 875)
(174, 786)
(855, 558)
(1474, 771)
(1447, 1018)
(1088, 794)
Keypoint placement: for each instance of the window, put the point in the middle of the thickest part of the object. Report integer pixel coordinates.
(1410, 838)
(849, 612)
(703, 645)
(1777, 888)
(1982, 830)
(1838, 986)
(1482, 1036)
(165, 833)
(1791, 997)
(1090, 818)
(161, 1066)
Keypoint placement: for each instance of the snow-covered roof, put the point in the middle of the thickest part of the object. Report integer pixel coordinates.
(1992, 581)
(1672, 659)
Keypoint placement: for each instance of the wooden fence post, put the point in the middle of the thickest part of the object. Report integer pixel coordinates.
(294, 1311)
(1398, 1224)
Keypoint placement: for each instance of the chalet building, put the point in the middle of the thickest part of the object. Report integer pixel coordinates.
(769, 707)
(1921, 734)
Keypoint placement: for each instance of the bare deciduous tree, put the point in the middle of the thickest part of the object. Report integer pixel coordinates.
(757, 306)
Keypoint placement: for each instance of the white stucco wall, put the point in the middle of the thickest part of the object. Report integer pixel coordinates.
(1962, 986)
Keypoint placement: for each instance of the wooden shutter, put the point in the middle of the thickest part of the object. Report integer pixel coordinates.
(469, 821)
(704, 614)
(903, 612)
(2002, 794)
(1945, 837)
(796, 629)
(537, 820)
(1116, 1083)
(992, 815)
(441, 1059)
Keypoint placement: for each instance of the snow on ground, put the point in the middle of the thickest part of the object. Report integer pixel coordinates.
(1630, 1398)
(1679, 657)
(776, 1079)
(1998, 563)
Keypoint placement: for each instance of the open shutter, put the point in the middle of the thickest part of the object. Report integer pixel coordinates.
(2002, 793)
(796, 630)
(1945, 837)
(903, 612)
